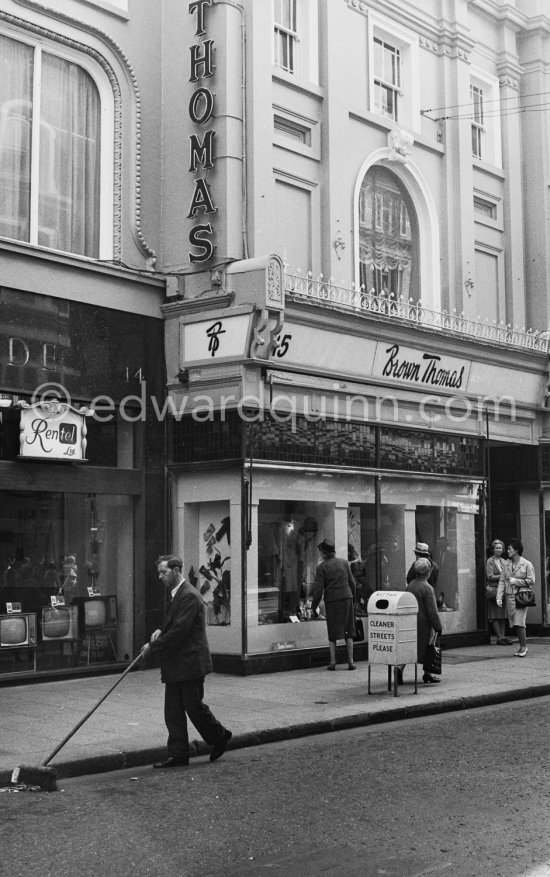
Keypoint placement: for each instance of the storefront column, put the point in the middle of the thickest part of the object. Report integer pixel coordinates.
(410, 533)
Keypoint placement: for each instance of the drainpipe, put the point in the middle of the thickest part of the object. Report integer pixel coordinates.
(244, 157)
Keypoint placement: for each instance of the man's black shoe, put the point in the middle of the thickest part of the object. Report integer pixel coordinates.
(172, 762)
(219, 748)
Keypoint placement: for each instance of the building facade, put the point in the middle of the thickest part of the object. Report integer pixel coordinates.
(334, 212)
(360, 352)
(81, 336)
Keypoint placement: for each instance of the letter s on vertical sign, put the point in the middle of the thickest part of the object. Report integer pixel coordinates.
(198, 238)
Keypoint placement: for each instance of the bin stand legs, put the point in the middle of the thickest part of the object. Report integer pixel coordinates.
(395, 693)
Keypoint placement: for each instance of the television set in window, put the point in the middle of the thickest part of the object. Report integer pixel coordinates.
(59, 623)
(100, 611)
(18, 630)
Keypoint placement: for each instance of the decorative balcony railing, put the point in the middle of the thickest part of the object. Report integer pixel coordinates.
(357, 299)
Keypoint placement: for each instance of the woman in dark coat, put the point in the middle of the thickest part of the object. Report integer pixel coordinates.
(334, 581)
(427, 619)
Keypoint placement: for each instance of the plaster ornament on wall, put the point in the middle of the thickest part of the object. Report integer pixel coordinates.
(339, 243)
(400, 143)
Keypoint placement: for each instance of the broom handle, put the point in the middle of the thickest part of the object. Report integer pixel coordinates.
(89, 713)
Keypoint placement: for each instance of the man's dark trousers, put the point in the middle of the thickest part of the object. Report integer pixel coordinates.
(182, 699)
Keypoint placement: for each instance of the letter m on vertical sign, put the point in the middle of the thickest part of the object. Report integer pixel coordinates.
(203, 153)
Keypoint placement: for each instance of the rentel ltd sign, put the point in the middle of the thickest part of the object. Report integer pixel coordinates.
(52, 431)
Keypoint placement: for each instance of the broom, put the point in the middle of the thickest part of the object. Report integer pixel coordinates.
(46, 777)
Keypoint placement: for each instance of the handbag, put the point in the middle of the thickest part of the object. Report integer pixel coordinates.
(432, 658)
(359, 634)
(525, 597)
(491, 592)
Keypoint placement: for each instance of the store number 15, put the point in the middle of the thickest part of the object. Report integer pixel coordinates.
(280, 348)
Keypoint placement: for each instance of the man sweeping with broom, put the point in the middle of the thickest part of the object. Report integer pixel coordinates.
(184, 661)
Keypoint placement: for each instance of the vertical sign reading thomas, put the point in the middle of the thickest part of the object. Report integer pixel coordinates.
(201, 111)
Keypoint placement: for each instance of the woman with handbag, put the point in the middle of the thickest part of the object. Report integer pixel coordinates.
(427, 620)
(496, 615)
(517, 578)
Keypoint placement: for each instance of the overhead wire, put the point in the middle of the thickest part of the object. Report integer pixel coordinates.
(489, 112)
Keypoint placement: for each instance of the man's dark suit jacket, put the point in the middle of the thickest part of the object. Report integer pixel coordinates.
(182, 644)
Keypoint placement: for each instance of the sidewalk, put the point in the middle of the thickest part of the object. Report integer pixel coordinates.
(128, 728)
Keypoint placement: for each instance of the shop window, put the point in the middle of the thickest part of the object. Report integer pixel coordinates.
(66, 563)
(376, 548)
(450, 528)
(213, 573)
(51, 120)
(447, 517)
(388, 236)
(288, 534)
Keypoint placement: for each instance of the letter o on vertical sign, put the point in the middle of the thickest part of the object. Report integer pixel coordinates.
(201, 106)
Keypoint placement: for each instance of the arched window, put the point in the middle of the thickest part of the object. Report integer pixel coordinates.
(50, 145)
(388, 236)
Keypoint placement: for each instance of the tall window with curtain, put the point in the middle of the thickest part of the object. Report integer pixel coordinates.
(387, 79)
(49, 150)
(388, 236)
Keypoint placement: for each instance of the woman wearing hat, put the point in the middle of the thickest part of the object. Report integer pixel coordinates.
(335, 583)
(427, 619)
(422, 549)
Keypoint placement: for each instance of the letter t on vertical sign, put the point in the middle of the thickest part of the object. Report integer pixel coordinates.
(198, 6)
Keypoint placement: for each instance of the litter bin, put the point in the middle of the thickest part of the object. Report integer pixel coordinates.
(392, 632)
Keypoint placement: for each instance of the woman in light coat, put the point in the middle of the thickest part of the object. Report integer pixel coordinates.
(517, 572)
(496, 615)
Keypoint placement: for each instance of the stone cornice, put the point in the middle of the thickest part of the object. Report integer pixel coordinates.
(509, 73)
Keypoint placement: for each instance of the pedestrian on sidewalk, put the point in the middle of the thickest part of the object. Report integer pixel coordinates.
(427, 619)
(517, 571)
(185, 660)
(496, 615)
(335, 583)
